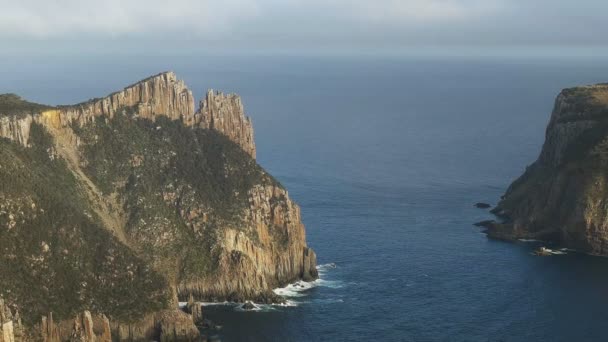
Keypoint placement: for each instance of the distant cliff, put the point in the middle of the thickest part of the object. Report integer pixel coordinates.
(126, 204)
(563, 196)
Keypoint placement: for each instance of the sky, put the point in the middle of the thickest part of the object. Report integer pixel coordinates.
(300, 24)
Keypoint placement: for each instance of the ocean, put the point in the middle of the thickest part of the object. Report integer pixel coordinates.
(387, 157)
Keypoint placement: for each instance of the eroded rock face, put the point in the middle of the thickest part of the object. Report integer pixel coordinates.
(16, 128)
(563, 196)
(278, 256)
(11, 328)
(225, 114)
(195, 309)
(177, 326)
(160, 95)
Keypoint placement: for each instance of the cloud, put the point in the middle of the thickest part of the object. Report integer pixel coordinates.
(308, 22)
(45, 18)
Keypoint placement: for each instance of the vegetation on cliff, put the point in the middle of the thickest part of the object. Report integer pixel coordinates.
(174, 182)
(562, 196)
(125, 203)
(11, 104)
(54, 254)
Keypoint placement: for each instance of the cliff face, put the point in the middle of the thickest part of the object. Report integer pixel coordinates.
(169, 202)
(161, 95)
(224, 113)
(269, 249)
(563, 196)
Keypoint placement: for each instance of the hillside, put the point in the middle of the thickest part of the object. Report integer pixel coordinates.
(127, 204)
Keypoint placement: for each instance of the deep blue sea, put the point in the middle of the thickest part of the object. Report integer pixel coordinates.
(386, 156)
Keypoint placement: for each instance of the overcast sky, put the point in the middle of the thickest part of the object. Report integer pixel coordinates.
(311, 24)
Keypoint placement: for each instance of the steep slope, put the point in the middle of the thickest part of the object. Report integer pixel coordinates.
(54, 255)
(563, 196)
(173, 195)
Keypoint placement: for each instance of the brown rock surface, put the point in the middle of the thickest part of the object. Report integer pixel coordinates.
(225, 114)
(278, 257)
(176, 325)
(160, 95)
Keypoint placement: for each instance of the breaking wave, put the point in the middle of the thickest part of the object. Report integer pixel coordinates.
(293, 293)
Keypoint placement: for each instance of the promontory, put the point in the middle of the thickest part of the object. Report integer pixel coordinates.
(115, 209)
(563, 196)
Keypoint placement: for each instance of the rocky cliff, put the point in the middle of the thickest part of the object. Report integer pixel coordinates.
(563, 196)
(160, 95)
(125, 204)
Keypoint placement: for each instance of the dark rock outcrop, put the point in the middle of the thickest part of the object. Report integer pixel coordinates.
(195, 309)
(563, 196)
(248, 306)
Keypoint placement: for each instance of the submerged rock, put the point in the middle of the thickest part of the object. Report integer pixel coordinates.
(482, 205)
(248, 306)
(543, 251)
(485, 223)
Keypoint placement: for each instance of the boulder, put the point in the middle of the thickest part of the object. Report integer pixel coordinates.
(248, 306)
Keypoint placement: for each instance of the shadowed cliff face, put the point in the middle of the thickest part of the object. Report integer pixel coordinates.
(563, 196)
(171, 188)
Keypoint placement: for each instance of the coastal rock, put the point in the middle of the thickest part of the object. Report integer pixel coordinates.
(482, 205)
(160, 95)
(562, 196)
(151, 195)
(248, 306)
(277, 257)
(225, 114)
(195, 309)
(177, 326)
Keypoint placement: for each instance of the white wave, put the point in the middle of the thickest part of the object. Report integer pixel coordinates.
(292, 293)
(332, 284)
(300, 288)
(326, 267)
(217, 303)
(296, 289)
(528, 240)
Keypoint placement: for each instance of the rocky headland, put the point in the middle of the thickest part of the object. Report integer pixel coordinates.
(563, 196)
(114, 210)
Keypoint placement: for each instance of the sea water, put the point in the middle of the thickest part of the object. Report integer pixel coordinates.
(387, 156)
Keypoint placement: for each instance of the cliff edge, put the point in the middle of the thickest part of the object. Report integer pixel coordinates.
(563, 196)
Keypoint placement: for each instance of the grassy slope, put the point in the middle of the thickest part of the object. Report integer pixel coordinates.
(179, 186)
(54, 256)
